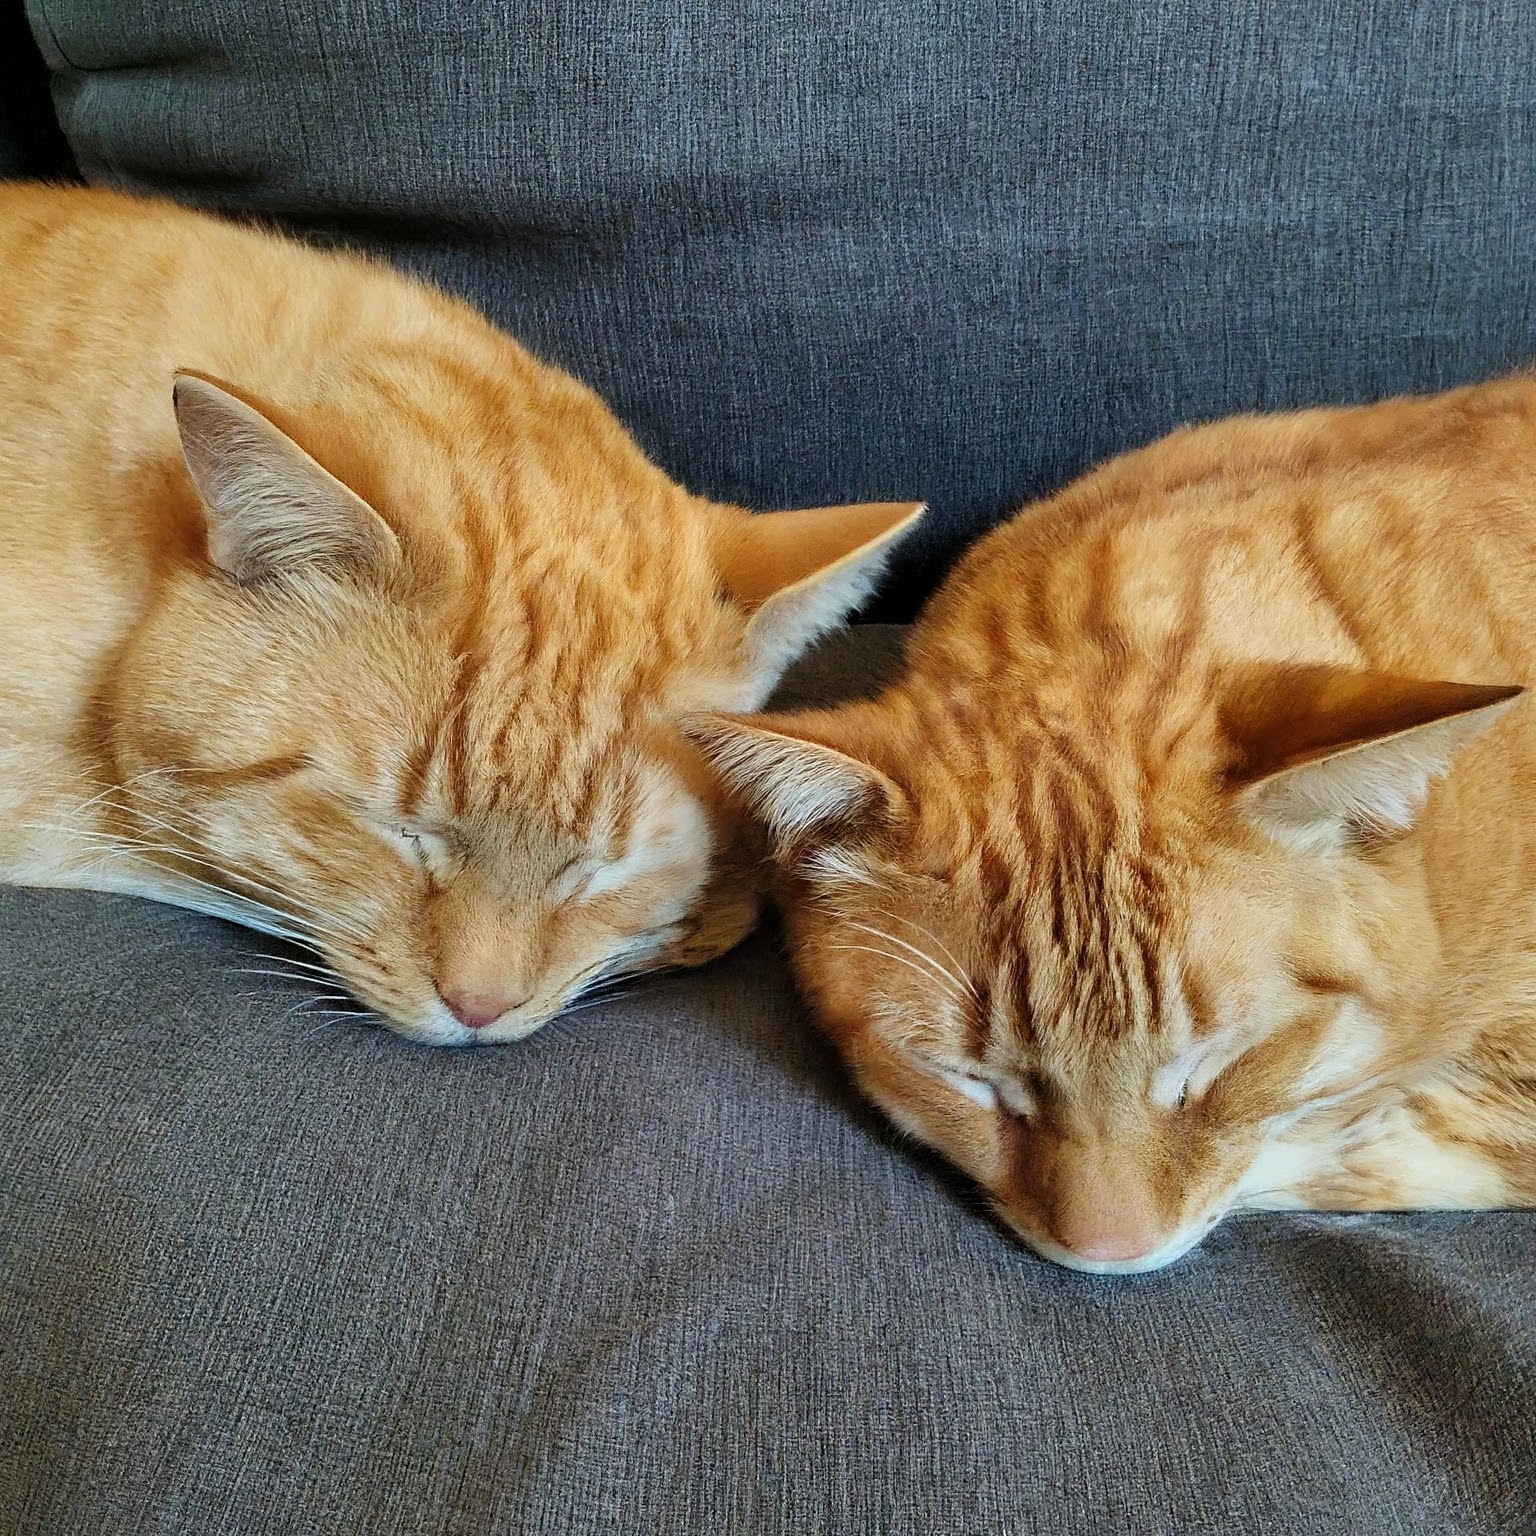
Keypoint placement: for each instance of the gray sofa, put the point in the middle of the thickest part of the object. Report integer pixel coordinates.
(657, 1269)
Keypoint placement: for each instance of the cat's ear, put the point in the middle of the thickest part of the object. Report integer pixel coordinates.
(800, 573)
(271, 509)
(1324, 753)
(801, 789)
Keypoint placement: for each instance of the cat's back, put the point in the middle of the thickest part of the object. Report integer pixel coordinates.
(438, 420)
(115, 272)
(397, 388)
(1400, 535)
(105, 298)
(107, 295)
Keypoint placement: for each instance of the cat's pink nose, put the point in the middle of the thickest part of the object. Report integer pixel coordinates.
(1106, 1228)
(474, 1010)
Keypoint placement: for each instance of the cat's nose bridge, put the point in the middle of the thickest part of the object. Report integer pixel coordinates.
(484, 952)
(1102, 1204)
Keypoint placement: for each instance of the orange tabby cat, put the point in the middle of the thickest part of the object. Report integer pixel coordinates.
(376, 639)
(1192, 864)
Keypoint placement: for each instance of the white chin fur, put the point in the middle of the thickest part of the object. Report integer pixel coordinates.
(1176, 1247)
(438, 1027)
(507, 1029)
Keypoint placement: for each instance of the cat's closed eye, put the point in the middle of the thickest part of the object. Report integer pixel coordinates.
(978, 1089)
(1014, 1094)
(425, 849)
(1021, 1095)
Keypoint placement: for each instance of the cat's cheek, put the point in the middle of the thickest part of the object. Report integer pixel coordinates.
(718, 924)
(724, 912)
(968, 1134)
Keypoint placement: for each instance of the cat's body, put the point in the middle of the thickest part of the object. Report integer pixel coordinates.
(414, 707)
(1128, 896)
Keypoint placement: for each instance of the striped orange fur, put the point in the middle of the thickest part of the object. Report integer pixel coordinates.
(326, 607)
(1191, 865)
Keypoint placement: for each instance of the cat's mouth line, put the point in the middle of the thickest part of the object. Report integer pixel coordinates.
(1167, 1252)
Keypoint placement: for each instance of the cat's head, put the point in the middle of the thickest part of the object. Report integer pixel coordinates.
(430, 730)
(1109, 957)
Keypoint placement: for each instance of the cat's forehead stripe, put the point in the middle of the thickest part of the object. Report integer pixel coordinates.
(415, 773)
(266, 771)
(979, 1018)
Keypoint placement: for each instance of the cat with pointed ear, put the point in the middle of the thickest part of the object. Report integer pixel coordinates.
(271, 509)
(327, 609)
(1189, 865)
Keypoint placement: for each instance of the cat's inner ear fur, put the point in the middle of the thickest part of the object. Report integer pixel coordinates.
(271, 509)
(798, 574)
(1326, 754)
(807, 794)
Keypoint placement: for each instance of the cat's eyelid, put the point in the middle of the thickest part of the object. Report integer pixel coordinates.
(573, 879)
(422, 847)
(1184, 1078)
(412, 830)
(975, 1082)
(1016, 1097)
(979, 1090)
(991, 1090)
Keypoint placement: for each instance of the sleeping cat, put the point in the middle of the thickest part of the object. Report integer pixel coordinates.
(326, 608)
(1191, 865)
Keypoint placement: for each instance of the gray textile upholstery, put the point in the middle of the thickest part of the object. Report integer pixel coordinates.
(31, 143)
(654, 1271)
(820, 250)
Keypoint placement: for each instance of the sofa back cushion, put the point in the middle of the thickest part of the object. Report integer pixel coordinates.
(821, 250)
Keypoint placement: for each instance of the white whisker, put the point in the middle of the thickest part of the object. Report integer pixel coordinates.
(596, 1002)
(331, 919)
(234, 906)
(959, 970)
(886, 954)
(940, 973)
(247, 970)
(198, 854)
(317, 970)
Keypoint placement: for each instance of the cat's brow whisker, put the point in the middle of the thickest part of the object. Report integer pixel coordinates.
(940, 973)
(927, 932)
(887, 954)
